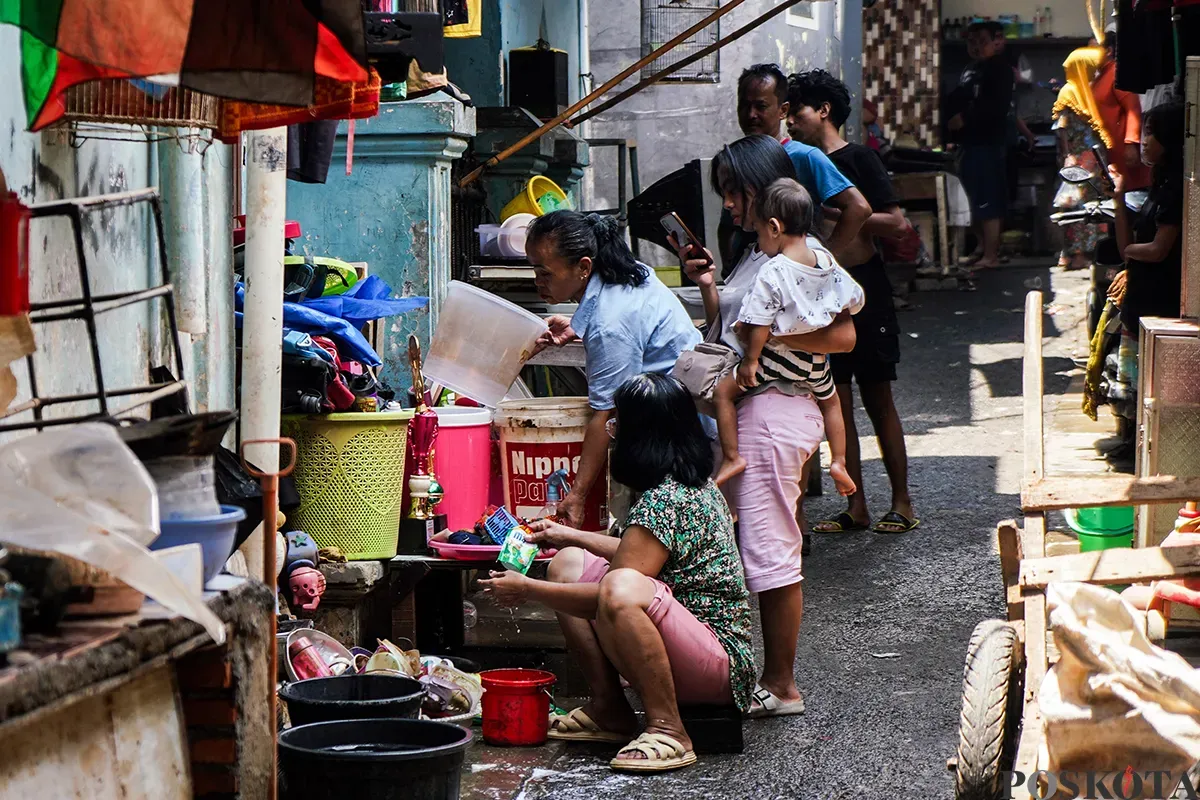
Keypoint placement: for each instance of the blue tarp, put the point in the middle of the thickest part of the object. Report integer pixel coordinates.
(341, 316)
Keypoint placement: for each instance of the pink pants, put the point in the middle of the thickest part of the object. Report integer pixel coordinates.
(776, 435)
(699, 664)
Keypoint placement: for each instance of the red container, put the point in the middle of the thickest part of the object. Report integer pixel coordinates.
(14, 255)
(516, 706)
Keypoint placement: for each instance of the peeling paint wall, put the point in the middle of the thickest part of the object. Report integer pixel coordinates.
(121, 252)
(674, 123)
(39, 167)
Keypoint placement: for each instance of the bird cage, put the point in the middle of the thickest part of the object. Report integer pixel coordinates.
(102, 109)
(662, 21)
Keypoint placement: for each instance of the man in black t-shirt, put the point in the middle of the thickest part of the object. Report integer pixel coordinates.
(979, 123)
(819, 105)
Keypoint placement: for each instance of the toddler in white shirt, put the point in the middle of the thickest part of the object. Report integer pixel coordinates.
(801, 289)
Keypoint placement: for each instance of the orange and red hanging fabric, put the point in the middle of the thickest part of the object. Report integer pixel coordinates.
(255, 51)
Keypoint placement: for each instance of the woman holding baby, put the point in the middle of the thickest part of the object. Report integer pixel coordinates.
(779, 423)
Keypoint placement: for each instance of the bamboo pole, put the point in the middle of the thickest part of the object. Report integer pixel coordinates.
(470, 177)
(692, 59)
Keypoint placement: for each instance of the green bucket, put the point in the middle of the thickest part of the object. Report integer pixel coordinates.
(1102, 528)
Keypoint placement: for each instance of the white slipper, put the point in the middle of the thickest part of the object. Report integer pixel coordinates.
(577, 726)
(662, 754)
(766, 704)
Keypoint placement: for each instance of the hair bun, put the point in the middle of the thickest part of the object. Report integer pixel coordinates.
(602, 224)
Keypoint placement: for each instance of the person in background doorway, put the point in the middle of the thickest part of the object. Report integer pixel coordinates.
(1121, 117)
(762, 108)
(628, 320)
(819, 106)
(980, 127)
(1151, 241)
(1078, 126)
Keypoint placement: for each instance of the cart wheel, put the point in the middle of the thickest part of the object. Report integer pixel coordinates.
(990, 711)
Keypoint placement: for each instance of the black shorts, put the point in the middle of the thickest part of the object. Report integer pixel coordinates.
(877, 348)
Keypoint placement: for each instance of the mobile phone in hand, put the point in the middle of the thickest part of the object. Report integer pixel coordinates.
(674, 225)
(1102, 158)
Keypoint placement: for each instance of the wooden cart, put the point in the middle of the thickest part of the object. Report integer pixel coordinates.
(1000, 726)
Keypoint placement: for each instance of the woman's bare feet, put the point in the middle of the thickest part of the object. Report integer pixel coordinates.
(841, 478)
(730, 468)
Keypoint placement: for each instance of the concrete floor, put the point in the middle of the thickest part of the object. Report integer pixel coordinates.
(887, 619)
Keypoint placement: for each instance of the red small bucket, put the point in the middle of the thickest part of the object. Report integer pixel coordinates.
(516, 706)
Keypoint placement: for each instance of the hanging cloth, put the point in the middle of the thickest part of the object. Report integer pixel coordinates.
(472, 27)
(1076, 94)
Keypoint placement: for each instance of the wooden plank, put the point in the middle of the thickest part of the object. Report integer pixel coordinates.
(1032, 390)
(1008, 540)
(1028, 747)
(1057, 492)
(1034, 543)
(1112, 566)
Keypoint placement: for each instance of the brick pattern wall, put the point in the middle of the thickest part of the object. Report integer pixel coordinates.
(208, 692)
(901, 51)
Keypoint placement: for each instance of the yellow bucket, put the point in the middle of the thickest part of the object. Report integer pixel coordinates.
(527, 201)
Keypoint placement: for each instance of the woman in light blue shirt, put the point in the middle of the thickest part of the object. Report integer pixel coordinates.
(628, 320)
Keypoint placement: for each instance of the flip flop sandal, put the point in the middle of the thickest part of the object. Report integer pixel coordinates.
(765, 704)
(842, 523)
(895, 522)
(577, 726)
(662, 754)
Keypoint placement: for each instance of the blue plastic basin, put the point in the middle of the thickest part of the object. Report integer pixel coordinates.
(214, 534)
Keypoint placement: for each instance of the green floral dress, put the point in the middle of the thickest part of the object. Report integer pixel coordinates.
(703, 568)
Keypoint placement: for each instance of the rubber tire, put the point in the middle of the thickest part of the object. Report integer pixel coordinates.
(990, 711)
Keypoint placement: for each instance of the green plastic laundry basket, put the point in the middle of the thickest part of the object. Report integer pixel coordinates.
(350, 477)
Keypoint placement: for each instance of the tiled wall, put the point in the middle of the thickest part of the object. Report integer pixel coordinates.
(901, 44)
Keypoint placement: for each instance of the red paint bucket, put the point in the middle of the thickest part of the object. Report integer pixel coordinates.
(516, 706)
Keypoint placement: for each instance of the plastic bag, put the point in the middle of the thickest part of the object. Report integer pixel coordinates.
(81, 492)
(1115, 700)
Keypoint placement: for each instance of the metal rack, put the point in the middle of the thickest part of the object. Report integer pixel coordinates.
(87, 307)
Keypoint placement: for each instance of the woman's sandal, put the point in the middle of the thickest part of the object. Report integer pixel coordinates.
(765, 704)
(662, 754)
(842, 523)
(895, 522)
(577, 726)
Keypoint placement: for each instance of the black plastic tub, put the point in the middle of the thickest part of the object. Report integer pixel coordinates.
(380, 759)
(353, 697)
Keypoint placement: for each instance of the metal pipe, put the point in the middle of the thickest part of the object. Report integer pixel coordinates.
(220, 345)
(100, 305)
(262, 318)
(678, 65)
(524, 142)
(181, 185)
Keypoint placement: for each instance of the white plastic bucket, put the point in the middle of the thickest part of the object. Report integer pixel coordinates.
(538, 437)
(480, 344)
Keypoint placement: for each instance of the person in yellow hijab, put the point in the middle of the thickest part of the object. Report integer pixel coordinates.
(1079, 126)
